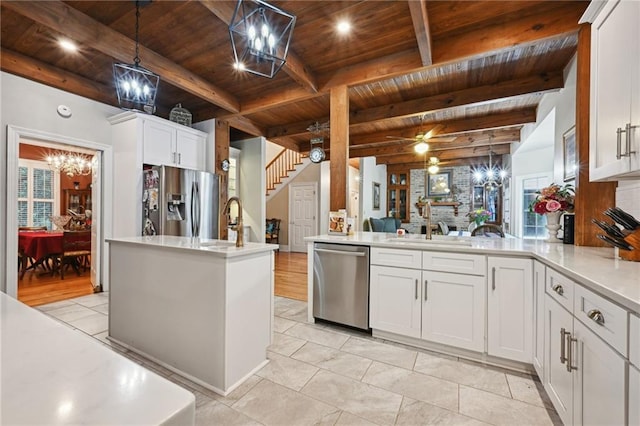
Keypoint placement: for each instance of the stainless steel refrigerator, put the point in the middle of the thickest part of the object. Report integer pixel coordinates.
(180, 202)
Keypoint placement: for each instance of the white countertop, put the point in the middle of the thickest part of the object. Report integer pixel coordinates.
(52, 374)
(219, 248)
(595, 268)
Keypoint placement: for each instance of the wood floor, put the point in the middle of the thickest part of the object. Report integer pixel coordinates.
(291, 275)
(34, 290)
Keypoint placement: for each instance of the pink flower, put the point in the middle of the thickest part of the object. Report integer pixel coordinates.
(553, 205)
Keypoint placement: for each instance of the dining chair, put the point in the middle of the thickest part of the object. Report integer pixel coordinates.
(488, 230)
(76, 249)
(272, 233)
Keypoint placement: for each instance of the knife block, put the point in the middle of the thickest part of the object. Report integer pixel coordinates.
(633, 239)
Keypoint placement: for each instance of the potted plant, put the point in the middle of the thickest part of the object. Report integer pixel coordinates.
(551, 202)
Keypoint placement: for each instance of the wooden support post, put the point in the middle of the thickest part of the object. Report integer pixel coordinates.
(592, 198)
(222, 153)
(339, 145)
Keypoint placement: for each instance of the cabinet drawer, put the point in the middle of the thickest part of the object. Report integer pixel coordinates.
(396, 257)
(560, 288)
(634, 340)
(471, 264)
(604, 318)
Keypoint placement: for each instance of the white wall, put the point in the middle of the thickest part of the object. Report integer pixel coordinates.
(33, 106)
(369, 173)
(272, 150)
(209, 127)
(253, 185)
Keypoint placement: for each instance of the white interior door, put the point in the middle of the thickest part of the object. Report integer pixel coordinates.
(96, 221)
(303, 206)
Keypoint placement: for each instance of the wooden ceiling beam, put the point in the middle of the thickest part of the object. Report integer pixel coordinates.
(85, 30)
(420, 19)
(469, 161)
(452, 154)
(246, 125)
(513, 118)
(294, 66)
(541, 82)
(553, 19)
(24, 66)
(537, 83)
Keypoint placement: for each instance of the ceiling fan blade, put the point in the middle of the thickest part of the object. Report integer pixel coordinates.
(397, 138)
(442, 139)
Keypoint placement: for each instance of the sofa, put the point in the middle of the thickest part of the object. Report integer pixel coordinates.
(385, 224)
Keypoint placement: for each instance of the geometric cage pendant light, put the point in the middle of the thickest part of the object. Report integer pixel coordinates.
(136, 86)
(260, 36)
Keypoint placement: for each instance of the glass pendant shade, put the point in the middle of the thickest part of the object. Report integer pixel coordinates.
(260, 36)
(421, 147)
(136, 86)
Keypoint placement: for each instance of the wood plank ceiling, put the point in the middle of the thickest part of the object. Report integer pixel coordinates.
(471, 71)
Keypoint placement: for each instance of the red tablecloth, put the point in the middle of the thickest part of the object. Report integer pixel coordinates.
(40, 244)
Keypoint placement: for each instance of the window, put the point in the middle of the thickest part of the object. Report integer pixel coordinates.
(37, 189)
(533, 224)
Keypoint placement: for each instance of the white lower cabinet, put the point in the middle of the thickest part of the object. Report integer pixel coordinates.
(510, 308)
(634, 395)
(453, 309)
(539, 277)
(395, 300)
(584, 376)
(439, 307)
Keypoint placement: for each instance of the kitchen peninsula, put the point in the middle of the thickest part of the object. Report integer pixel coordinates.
(570, 313)
(202, 308)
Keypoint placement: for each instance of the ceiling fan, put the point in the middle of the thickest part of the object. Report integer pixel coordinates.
(420, 139)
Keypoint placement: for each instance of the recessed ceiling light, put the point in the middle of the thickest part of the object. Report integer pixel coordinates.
(68, 45)
(344, 27)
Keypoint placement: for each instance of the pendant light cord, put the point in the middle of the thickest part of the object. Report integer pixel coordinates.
(137, 58)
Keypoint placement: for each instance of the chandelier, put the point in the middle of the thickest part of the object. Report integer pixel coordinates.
(491, 178)
(136, 86)
(260, 36)
(71, 164)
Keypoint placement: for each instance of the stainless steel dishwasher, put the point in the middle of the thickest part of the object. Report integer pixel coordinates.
(341, 284)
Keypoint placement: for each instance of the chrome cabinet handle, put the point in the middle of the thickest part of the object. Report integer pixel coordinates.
(416, 289)
(563, 358)
(627, 135)
(179, 158)
(425, 289)
(619, 132)
(493, 278)
(558, 289)
(596, 316)
(569, 358)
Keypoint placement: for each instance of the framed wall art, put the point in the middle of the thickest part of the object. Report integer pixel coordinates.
(376, 196)
(439, 185)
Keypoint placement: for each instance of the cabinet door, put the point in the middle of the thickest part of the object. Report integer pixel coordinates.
(538, 318)
(599, 380)
(190, 150)
(395, 300)
(510, 308)
(453, 309)
(558, 382)
(612, 72)
(159, 143)
(634, 395)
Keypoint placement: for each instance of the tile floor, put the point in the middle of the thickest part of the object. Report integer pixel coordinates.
(325, 375)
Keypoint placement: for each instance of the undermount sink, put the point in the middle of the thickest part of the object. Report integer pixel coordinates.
(442, 241)
(217, 243)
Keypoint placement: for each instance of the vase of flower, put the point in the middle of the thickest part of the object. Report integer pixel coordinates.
(553, 226)
(478, 217)
(551, 202)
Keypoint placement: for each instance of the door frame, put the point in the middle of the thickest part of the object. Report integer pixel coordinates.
(14, 135)
(315, 221)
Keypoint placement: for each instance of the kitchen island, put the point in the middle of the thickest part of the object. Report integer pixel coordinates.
(201, 308)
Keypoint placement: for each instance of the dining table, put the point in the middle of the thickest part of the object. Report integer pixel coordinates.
(38, 245)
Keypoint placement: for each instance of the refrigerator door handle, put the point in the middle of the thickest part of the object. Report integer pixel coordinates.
(198, 209)
(193, 209)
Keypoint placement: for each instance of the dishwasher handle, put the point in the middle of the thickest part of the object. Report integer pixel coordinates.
(341, 252)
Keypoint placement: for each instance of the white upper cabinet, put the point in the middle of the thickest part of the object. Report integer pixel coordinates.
(614, 150)
(170, 144)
